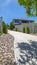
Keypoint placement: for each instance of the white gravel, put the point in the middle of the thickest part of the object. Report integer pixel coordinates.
(25, 48)
(7, 50)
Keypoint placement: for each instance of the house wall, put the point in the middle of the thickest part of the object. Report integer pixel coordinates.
(19, 27)
(35, 28)
(32, 26)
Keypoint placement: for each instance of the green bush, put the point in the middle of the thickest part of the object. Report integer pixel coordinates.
(28, 30)
(4, 27)
(1, 33)
(16, 29)
(8, 26)
(12, 26)
(23, 30)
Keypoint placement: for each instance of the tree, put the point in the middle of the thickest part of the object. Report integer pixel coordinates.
(4, 27)
(30, 5)
(12, 26)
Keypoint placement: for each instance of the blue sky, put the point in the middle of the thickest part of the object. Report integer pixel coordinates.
(10, 9)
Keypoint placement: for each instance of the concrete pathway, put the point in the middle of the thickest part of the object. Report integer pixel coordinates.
(25, 48)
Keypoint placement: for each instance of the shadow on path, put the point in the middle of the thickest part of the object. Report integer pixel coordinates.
(28, 53)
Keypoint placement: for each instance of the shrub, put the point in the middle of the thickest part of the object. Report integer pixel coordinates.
(28, 30)
(8, 26)
(4, 28)
(23, 30)
(1, 33)
(12, 26)
(16, 29)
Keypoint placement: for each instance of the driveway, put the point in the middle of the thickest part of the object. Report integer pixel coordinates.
(25, 48)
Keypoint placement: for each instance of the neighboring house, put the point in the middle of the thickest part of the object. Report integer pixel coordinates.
(20, 24)
(0, 24)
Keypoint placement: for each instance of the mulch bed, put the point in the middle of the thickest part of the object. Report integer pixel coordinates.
(7, 50)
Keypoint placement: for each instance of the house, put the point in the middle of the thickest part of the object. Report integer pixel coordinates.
(0, 24)
(21, 23)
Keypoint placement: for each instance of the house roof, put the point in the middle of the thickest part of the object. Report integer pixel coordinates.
(23, 20)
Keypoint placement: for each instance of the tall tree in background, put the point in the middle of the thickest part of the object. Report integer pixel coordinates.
(30, 5)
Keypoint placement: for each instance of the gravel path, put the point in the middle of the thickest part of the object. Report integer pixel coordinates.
(25, 48)
(7, 50)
